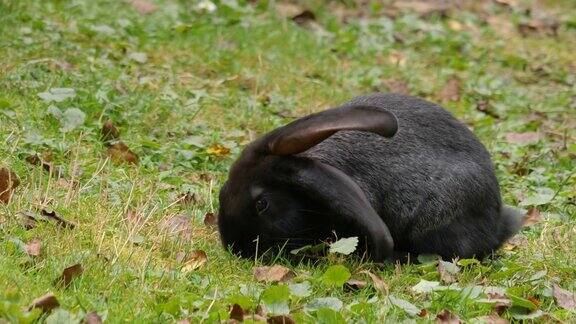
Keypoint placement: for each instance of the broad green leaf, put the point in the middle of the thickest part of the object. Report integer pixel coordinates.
(72, 118)
(62, 316)
(57, 94)
(521, 302)
(405, 305)
(344, 245)
(329, 316)
(276, 293)
(425, 286)
(324, 302)
(542, 196)
(336, 275)
(300, 289)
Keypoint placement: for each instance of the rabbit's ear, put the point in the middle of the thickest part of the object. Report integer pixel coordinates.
(345, 199)
(304, 133)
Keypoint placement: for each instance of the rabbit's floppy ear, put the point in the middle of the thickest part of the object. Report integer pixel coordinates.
(306, 132)
(345, 198)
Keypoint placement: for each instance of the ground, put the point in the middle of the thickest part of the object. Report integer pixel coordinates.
(187, 84)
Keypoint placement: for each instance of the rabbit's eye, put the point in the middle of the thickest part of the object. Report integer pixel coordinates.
(261, 205)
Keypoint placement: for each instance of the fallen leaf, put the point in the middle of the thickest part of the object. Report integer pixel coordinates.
(119, 152)
(143, 7)
(485, 107)
(46, 165)
(281, 319)
(515, 241)
(509, 3)
(451, 91)
(109, 132)
(33, 247)
(51, 215)
(92, 318)
(178, 226)
(217, 150)
(197, 259)
(564, 298)
(189, 198)
(542, 26)
(447, 317)
(45, 303)
(377, 282)
(532, 217)
(522, 138)
(236, 313)
(423, 8)
(210, 219)
(275, 273)
(354, 285)
(447, 271)
(8, 182)
(490, 319)
(69, 274)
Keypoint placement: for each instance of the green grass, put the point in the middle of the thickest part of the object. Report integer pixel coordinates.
(222, 78)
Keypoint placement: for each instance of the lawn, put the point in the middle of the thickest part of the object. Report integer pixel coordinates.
(121, 118)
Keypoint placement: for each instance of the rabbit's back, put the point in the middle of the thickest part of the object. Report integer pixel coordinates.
(434, 172)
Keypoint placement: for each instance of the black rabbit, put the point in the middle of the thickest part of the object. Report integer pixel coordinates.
(400, 173)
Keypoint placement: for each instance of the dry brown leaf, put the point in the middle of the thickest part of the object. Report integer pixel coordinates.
(189, 198)
(287, 10)
(109, 132)
(532, 217)
(423, 8)
(509, 3)
(275, 273)
(92, 318)
(564, 298)
(522, 138)
(197, 259)
(8, 182)
(484, 106)
(69, 274)
(542, 26)
(120, 153)
(447, 317)
(281, 319)
(217, 150)
(514, 242)
(34, 247)
(236, 313)
(377, 282)
(210, 219)
(143, 6)
(45, 303)
(451, 91)
(354, 284)
(491, 319)
(27, 220)
(178, 226)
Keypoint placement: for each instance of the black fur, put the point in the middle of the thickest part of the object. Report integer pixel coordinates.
(430, 188)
